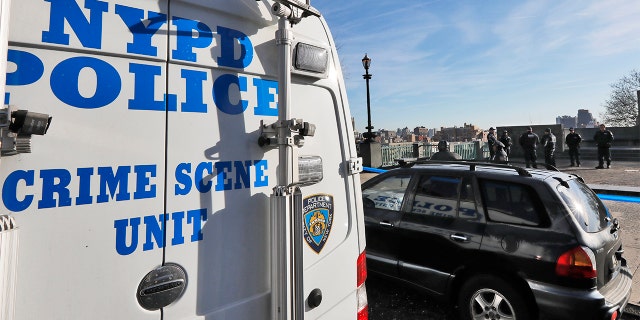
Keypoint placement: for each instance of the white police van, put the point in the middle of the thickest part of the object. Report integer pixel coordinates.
(176, 159)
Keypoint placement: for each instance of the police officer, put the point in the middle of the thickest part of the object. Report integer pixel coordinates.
(491, 140)
(603, 139)
(506, 141)
(549, 144)
(573, 140)
(529, 142)
(444, 153)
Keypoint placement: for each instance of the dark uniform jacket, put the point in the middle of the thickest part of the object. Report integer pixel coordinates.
(506, 140)
(603, 138)
(529, 140)
(573, 140)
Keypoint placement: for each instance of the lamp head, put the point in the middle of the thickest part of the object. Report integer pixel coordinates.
(366, 62)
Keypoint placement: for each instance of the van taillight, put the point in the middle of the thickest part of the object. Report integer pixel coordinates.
(363, 312)
(578, 262)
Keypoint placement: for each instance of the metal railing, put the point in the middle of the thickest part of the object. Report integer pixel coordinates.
(467, 150)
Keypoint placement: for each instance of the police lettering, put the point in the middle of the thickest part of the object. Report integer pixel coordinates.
(228, 91)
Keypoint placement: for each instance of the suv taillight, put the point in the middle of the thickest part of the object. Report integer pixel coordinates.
(578, 262)
(363, 310)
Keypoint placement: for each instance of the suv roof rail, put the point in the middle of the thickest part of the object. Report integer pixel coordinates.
(410, 162)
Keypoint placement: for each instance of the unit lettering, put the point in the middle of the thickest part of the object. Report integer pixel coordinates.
(153, 229)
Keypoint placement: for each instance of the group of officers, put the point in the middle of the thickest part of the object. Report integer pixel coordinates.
(500, 148)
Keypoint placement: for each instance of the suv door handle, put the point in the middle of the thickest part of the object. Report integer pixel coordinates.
(386, 223)
(459, 237)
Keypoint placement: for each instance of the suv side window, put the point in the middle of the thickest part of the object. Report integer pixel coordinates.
(511, 203)
(467, 208)
(436, 196)
(388, 193)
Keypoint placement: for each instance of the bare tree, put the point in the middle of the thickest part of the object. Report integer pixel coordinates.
(621, 109)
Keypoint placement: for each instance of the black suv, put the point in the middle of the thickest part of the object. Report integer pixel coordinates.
(498, 241)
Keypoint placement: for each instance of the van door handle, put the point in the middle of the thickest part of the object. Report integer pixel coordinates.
(459, 237)
(386, 223)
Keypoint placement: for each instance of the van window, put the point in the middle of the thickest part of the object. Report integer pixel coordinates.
(511, 203)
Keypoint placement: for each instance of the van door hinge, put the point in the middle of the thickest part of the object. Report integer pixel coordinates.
(355, 165)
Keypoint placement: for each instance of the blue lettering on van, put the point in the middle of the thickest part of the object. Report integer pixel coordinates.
(30, 66)
(56, 185)
(227, 44)
(267, 91)
(89, 32)
(221, 93)
(231, 48)
(153, 229)
(228, 175)
(65, 75)
(9, 193)
(55, 190)
(142, 32)
(185, 41)
(194, 89)
(64, 82)
(143, 96)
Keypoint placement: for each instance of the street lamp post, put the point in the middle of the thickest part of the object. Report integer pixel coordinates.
(366, 62)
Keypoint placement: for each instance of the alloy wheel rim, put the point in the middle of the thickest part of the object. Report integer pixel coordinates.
(490, 304)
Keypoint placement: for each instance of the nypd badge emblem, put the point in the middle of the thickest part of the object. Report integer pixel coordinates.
(318, 219)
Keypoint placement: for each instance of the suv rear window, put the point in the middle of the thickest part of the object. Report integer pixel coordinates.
(511, 203)
(585, 206)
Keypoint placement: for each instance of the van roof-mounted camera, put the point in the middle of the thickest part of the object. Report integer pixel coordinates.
(16, 128)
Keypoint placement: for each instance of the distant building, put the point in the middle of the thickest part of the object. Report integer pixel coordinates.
(421, 131)
(567, 121)
(387, 136)
(585, 119)
(468, 132)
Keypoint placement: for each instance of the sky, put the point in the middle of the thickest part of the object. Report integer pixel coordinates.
(487, 63)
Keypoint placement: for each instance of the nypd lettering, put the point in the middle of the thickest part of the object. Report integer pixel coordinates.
(234, 50)
(318, 220)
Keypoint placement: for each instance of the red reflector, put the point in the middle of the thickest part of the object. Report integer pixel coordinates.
(362, 268)
(363, 314)
(578, 262)
(614, 316)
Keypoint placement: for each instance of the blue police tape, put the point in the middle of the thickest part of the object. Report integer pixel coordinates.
(620, 198)
(374, 170)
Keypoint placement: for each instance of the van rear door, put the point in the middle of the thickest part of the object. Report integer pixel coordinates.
(219, 178)
(89, 198)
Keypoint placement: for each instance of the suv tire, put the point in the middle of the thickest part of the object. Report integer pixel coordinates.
(489, 297)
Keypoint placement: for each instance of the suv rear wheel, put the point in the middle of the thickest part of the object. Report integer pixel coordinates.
(489, 297)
